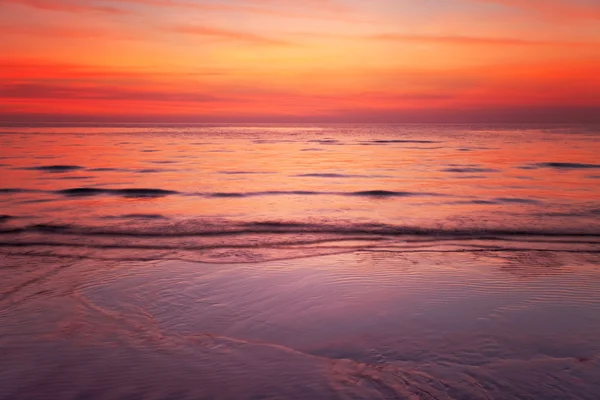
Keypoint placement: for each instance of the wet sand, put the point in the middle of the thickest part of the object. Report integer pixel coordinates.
(361, 325)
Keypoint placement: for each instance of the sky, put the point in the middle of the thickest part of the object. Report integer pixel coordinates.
(300, 61)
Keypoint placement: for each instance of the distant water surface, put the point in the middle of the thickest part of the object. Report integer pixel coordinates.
(300, 261)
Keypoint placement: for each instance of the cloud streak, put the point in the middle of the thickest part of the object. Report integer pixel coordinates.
(67, 6)
(82, 92)
(63, 32)
(326, 10)
(207, 31)
(560, 9)
(470, 40)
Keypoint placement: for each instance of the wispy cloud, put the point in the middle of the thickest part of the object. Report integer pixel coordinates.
(311, 9)
(208, 31)
(32, 90)
(322, 5)
(470, 40)
(557, 9)
(62, 32)
(447, 39)
(20, 70)
(68, 6)
(326, 5)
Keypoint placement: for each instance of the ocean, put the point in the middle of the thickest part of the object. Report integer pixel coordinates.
(299, 261)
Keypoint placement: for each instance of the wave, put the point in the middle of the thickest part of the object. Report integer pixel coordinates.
(67, 178)
(227, 195)
(129, 192)
(326, 141)
(387, 193)
(332, 175)
(564, 165)
(242, 173)
(476, 202)
(56, 168)
(270, 193)
(497, 201)
(270, 242)
(106, 169)
(400, 141)
(470, 170)
(137, 216)
(517, 200)
(207, 228)
(376, 194)
(16, 190)
(152, 192)
(151, 171)
(586, 213)
(70, 168)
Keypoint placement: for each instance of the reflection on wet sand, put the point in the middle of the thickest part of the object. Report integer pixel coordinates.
(364, 325)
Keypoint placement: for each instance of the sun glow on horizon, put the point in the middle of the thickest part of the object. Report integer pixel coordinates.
(318, 60)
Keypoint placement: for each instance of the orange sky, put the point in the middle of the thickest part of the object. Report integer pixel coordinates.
(310, 60)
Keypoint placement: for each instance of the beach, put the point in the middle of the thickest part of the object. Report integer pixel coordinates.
(299, 261)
